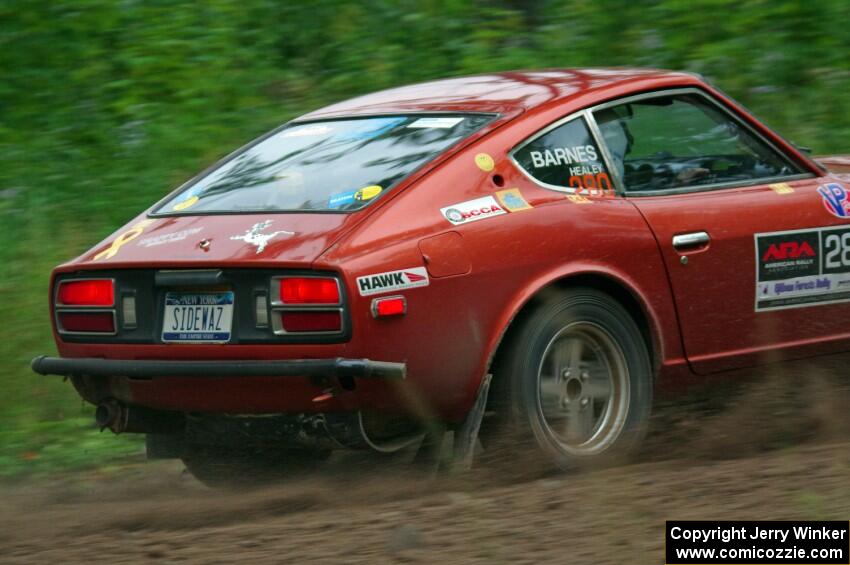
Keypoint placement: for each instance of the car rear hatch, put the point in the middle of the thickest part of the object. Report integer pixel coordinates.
(283, 239)
(206, 279)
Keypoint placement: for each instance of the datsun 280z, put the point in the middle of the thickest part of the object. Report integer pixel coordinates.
(531, 253)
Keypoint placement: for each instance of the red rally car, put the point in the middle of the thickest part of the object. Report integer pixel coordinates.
(546, 248)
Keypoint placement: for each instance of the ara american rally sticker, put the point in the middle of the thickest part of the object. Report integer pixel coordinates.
(392, 281)
(472, 210)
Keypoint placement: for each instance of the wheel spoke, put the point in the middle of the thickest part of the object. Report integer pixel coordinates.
(597, 388)
(574, 425)
(551, 388)
(576, 350)
(588, 421)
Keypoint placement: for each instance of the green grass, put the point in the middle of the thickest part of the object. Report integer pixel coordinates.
(71, 444)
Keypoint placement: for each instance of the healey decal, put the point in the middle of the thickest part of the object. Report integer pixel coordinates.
(472, 210)
(126, 237)
(834, 197)
(255, 237)
(392, 281)
(512, 200)
(802, 268)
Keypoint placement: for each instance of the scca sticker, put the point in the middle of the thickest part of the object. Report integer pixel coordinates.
(472, 210)
(834, 197)
(392, 281)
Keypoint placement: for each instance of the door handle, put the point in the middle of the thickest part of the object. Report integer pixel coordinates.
(691, 240)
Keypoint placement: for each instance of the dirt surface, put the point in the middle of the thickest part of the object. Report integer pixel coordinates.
(777, 449)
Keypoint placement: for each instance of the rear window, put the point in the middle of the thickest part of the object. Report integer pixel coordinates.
(336, 165)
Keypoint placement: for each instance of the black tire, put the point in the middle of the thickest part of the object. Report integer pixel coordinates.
(224, 467)
(534, 382)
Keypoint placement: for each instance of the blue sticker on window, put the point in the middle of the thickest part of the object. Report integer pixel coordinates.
(341, 199)
(371, 128)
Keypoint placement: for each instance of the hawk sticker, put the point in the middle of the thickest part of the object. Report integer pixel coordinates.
(392, 281)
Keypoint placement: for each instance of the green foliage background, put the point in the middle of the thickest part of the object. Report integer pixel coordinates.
(105, 105)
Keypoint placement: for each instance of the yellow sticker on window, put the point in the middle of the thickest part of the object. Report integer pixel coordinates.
(485, 162)
(188, 203)
(367, 193)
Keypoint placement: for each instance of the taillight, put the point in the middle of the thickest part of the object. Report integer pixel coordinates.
(294, 322)
(91, 292)
(87, 322)
(309, 290)
(305, 304)
(86, 306)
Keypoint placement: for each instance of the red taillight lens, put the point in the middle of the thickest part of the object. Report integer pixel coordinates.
(390, 306)
(311, 321)
(96, 292)
(92, 322)
(309, 290)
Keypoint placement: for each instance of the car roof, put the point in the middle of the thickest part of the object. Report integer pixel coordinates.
(509, 92)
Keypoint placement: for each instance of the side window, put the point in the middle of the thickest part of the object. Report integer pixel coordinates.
(566, 158)
(681, 141)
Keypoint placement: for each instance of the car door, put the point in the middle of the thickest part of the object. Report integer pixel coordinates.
(757, 263)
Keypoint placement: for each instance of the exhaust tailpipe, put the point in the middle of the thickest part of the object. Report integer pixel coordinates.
(121, 418)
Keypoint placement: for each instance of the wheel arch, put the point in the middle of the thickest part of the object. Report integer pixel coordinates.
(620, 288)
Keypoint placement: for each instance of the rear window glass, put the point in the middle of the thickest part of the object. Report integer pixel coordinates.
(566, 158)
(337, 165)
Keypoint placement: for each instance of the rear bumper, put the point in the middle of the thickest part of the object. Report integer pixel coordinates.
(149, 369)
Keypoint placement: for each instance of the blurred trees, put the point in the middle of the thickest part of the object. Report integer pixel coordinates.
(105, 105)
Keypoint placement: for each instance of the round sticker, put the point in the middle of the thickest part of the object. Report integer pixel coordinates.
(454, 215)
(188, 203)
(368, 193)
(484, 162)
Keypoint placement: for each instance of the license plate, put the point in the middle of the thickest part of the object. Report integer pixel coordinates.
(193, 317)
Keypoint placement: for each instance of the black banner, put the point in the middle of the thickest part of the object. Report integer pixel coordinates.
(763, 543)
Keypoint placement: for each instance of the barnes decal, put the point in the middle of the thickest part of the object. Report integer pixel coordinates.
(564, 156)
(392, 281)
(802, 268)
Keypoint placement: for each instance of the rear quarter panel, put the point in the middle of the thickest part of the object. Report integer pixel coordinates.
(454, 326)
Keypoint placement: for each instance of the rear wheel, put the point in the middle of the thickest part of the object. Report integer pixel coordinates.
(575, 378)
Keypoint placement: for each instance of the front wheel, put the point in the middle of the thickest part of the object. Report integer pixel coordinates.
(575, 377)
